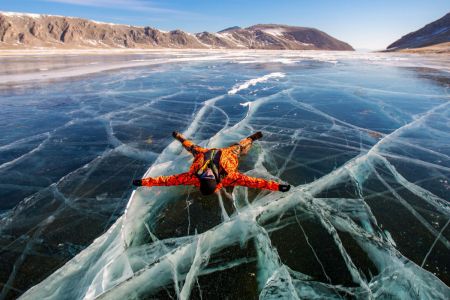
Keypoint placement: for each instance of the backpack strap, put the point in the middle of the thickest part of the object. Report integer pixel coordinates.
(215, 164)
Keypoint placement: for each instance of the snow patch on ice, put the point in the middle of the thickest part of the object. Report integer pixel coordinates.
(246, 104)
(254, 81)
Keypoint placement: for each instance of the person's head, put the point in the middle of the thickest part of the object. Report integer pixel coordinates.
(208, 182)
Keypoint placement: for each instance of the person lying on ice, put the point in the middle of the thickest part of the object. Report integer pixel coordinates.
(214, 168)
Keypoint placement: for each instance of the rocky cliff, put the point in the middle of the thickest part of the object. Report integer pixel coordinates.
(437, 32)
(29, 30)
(22, 31)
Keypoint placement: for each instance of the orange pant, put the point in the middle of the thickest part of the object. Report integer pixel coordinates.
(229, 162)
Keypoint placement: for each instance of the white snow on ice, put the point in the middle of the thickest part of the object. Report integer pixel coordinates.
(254, 81)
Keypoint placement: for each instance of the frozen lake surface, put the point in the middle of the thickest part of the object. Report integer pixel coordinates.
(364, 138)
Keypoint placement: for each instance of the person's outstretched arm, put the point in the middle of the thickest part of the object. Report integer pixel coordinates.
(178, 179)
(254, 182)
(187, 144)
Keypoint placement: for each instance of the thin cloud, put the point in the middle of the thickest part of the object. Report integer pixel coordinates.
(130, 5)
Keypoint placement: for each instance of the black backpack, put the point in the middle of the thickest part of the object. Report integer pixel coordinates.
(212, 161)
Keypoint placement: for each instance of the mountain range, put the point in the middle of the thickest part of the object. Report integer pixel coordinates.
(28, 31)
(23, 31)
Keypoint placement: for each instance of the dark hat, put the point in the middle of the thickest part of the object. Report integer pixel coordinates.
(207, 186)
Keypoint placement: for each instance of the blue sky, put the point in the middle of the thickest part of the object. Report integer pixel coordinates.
(364, 24)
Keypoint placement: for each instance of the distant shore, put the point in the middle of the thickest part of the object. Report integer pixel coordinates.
(443, 48)
(113, 51)
(45, 66)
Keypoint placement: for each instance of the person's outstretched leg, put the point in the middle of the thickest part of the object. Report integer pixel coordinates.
(187, 144)
(256, 136)
(246, 144)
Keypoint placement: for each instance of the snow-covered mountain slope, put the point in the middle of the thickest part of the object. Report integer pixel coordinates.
(20, 30)
(437, 32)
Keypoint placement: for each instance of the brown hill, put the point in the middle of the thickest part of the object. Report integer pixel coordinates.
(29, 30)
(23, 31)
(273, 36)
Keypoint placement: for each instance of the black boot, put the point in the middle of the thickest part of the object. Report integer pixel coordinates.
(256, 136)
(284, 187)
(178, 136)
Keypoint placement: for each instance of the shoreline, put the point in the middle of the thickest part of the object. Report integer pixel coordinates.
(9, 52)
(438, 49)
(116, 51)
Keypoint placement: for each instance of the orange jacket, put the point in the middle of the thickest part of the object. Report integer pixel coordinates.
(229, 161)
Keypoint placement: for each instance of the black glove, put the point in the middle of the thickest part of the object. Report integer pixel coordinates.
(137, 182)
(284, 187)
(256, 136)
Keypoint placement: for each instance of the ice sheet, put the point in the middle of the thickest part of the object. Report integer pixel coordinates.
(363, 141)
